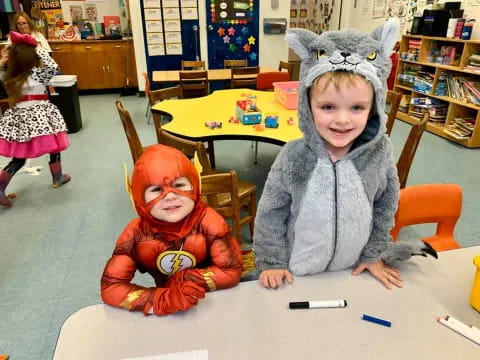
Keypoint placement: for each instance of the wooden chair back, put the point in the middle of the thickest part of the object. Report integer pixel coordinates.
(160, 95)
(393, 99)
(265, 80)
(187, 147)
(229, 64)
(244, 76)
(224, 183)
(193, 65)
(427, 204)
(134, 143)
(194, 83)
(409, 149)
(283, 65)
(147, 85)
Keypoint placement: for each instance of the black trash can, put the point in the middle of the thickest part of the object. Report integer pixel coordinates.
(65, 97)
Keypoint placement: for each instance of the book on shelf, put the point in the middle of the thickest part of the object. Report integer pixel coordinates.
(468, 123)
(436, 108)
(404, 103)
(457, 132)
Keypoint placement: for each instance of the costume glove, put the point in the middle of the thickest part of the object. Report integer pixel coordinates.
(180, 296)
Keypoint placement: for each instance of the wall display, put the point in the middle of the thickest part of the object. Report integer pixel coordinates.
(154, 26)
(154, 38)
(379, 8)
(76, 12)
(169, 3)
(173, 49)
(231, 11)
(188, 3)
(173, 37)
(189, 13)
(172, 25)
(91, 12)
(156, 50)
(314, 15)
(153, 14)
(151, 4)
(171, 13)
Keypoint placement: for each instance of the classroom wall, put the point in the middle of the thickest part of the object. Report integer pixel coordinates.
(106, 7)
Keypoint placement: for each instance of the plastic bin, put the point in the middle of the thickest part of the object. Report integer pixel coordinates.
(286, 93)
(65, 97)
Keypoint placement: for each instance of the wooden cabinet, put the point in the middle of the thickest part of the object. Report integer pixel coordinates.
(439, 71)
(97, 64)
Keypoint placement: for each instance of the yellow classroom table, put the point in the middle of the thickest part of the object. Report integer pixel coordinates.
(213, 74)
(190, 115)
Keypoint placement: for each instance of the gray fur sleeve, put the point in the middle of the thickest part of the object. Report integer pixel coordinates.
(44, 73)
(384, 210)
(270, 235)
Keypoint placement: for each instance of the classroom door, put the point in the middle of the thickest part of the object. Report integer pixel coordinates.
(232, 31)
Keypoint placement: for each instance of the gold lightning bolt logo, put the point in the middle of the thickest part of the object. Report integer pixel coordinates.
(170, 262)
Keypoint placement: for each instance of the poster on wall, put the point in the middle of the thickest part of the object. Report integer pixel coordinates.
(156, 50)
(76, 13)
(232, 11)
(311, 15)
(189, 13)
(91, 12)
(378, 10)
(473, 3)
(404, 10)
(151, 4)
(154, 29)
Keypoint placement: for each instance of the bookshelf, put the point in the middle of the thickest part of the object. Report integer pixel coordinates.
(434, 74)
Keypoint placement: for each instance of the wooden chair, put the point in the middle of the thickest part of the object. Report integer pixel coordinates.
(393, 100)
(229, 64)
(246, 190)
(265, 80)
(224, 184)
(409, 149)
(244, 77)
(147, 95)
(431, 203)
(193, 65)
(134, 143)
(194, 84)
(160, 95)
(286, 66)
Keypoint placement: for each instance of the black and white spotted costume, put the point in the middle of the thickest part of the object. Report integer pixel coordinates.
(33, 128)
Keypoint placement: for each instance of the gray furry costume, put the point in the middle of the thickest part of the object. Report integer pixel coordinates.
(315, 215)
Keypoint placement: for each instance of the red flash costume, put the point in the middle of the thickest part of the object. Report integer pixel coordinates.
(186, 258)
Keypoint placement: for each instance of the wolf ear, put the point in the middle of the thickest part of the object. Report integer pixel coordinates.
(387, 34)
(299, 40)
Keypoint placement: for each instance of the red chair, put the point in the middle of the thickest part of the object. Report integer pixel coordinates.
(265, 80)
(431, 203)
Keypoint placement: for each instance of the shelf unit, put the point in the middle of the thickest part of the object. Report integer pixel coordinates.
(456, 108)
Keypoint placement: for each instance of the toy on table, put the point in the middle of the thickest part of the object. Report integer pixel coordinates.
(259, 127)
(271, 121)
(247, 111)
(233, 120)
(213, 124)
(290, 121)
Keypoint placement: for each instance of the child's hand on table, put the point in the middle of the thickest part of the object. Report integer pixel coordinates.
(386, 274)
(273, 278)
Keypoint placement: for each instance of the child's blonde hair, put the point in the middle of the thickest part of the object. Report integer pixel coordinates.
(337, 78)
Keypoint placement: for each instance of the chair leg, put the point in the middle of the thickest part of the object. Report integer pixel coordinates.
(252, 211)
(211, 153)
(149, 117)
(147, 111)
(256, 153)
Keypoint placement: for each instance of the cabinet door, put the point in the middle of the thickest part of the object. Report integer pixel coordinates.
(64, 56)
(92, 71)
(116, 62)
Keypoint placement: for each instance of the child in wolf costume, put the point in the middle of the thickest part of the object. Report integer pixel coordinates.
(330, 198)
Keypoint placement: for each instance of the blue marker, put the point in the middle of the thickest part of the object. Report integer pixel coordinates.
(376, 320)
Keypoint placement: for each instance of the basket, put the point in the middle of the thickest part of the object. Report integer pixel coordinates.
(286, 93)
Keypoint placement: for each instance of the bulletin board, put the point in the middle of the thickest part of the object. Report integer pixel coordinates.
(171, 33)
(232, 31)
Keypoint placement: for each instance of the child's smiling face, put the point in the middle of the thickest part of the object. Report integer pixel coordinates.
(172, 207)
(340, 112)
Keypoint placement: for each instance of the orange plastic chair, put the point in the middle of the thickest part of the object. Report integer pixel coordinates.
(265, 80)
(431, 203)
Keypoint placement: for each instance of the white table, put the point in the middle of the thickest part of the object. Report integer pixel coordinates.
(249, 322)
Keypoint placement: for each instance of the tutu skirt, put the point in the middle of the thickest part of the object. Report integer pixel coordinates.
(32, 131)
